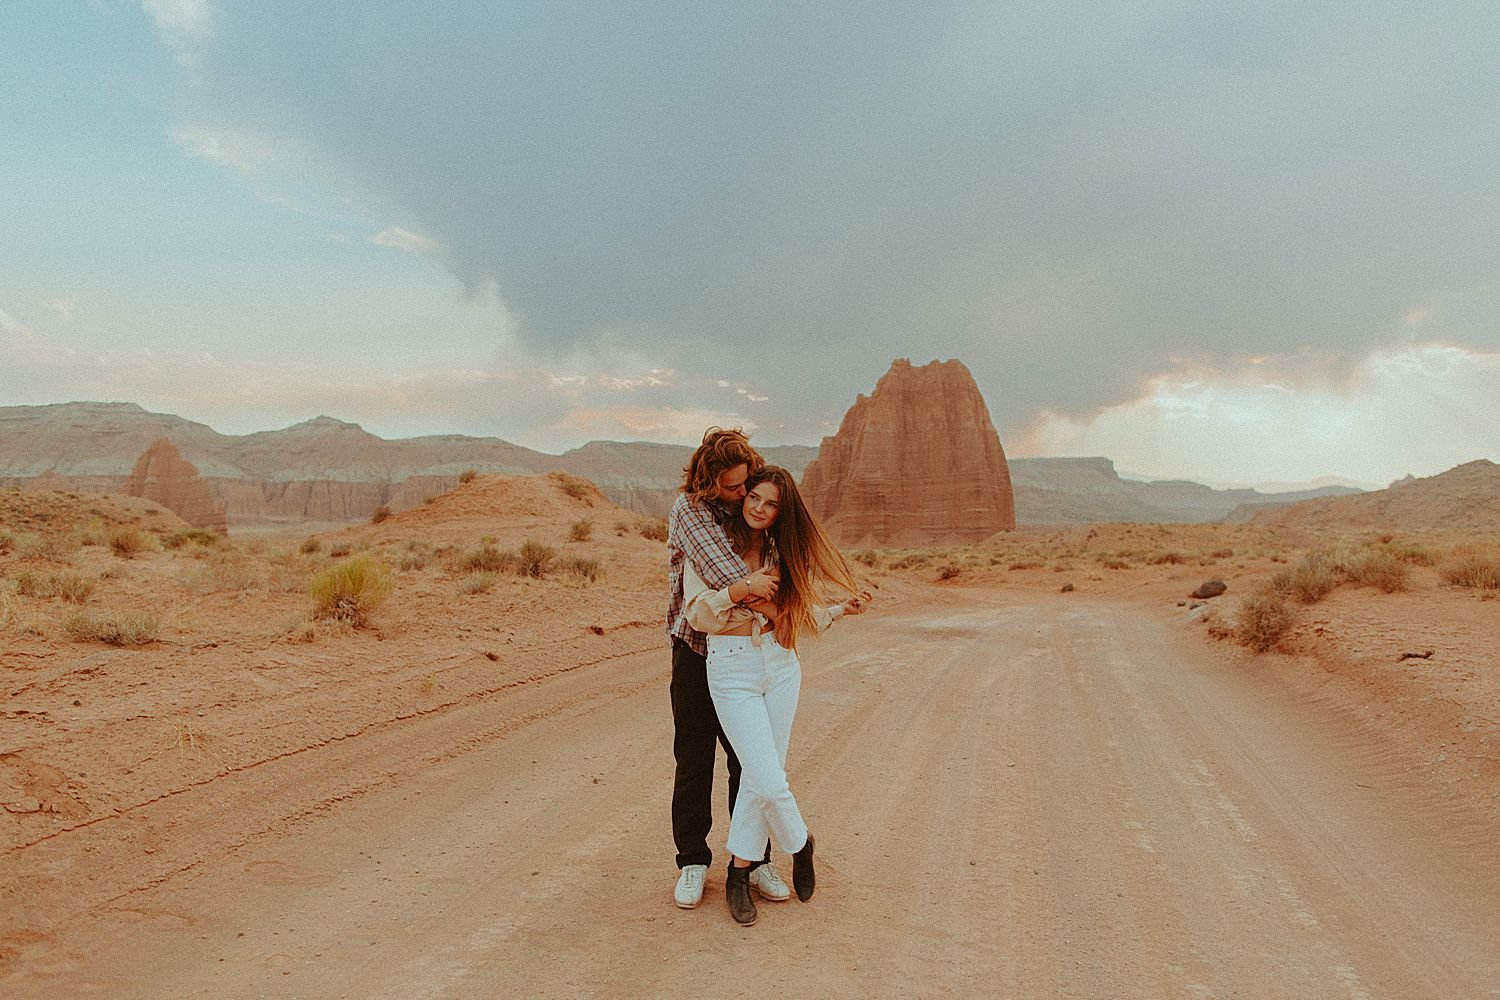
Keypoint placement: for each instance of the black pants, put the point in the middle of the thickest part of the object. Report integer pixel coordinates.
(697, 729)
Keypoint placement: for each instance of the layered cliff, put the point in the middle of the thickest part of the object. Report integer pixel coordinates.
(918, 461)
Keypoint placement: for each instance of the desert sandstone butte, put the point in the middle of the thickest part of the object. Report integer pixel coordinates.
(916, 462)
(163, 475)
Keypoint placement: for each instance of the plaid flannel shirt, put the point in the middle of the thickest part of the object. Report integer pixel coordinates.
(694, 532)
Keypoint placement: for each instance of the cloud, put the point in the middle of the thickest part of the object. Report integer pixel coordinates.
(185, 25)
(404, 239)
(226, 146)
(1420, 409)
(1066, 203)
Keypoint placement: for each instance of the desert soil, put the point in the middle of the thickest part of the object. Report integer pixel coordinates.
(1017, 792)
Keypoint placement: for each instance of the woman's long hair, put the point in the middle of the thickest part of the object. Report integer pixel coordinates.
(807, 559)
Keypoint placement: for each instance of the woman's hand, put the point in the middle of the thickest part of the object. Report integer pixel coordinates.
(856, 605)
(762, 585)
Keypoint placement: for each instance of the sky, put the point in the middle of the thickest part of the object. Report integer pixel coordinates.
(1239, 242)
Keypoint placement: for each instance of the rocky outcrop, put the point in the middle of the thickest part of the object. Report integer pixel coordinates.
(163, 475)
(916, 462)
(1465, 498)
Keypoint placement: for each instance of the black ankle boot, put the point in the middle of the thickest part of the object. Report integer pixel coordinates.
(737, 891)
(804, 879)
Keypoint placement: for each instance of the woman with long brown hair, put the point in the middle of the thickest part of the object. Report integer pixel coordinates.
(754, 675)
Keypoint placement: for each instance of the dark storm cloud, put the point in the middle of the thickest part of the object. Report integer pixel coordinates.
(1065, 197)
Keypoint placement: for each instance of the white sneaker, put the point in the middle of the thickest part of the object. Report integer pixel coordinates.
(764, 880)
(690, 886)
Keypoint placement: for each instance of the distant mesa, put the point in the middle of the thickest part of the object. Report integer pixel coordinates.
(328, 470)
(915, 463)
(1465, 498)
(163, 475)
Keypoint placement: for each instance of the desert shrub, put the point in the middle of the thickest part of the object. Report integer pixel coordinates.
(488, 559)
(122, 628)
(467, 476)
(74, 588)
(654, 528)
(412, 561)
(311, 544)
(193, 536)
(580, 569)
(1168, 559)
(1310, 580)
(1020, 564)
(380, 514)
(573, 486)
(339, 550)
(428, 501)
(1471, 569)
(1411, 552)
(7, 542)
(29, 583)
(478, 583)
(1222, 553)
(349, 591)
(127, 541)
(227, 572)
(1114, 562)
(52, 548)
(535, 559)
(867, 557)
(581, 531)
(93, 534)
(1378, 568)
(1262, 620)
(948, 571)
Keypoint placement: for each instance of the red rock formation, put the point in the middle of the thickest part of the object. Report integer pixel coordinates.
(163, 475)
(917, 462)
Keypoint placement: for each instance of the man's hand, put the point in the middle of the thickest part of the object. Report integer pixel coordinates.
(762, 585)
(856, 605)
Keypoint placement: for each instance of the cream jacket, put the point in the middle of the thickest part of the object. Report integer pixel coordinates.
(712, 612)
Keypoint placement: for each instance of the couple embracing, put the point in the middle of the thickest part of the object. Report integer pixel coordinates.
(748, 566)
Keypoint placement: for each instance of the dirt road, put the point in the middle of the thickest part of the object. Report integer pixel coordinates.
(1022, 796)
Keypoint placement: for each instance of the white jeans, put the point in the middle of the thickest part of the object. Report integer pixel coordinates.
(755, 688)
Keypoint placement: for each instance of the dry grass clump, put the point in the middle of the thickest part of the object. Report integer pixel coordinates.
(478, 583)
(1378, 568)
(128, 541)
(1114, 562)
(1168, 559)
(867, 557)
(654, 528)
(75, 588)
(380, 513)
(1410, 552)
(7, 542)
(573, 486)
(94, 534)
(416, 556)
(581, 531)
(580, 570)
(51, 548)
(467, 476)
(948, 571)
(310, 545)
(1471, 569)
(1308, 581)
(227, 572)
(120, 628)
(349, 591)
(1263, 620)
(536, 559)
(339, 550)
(487, 559)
